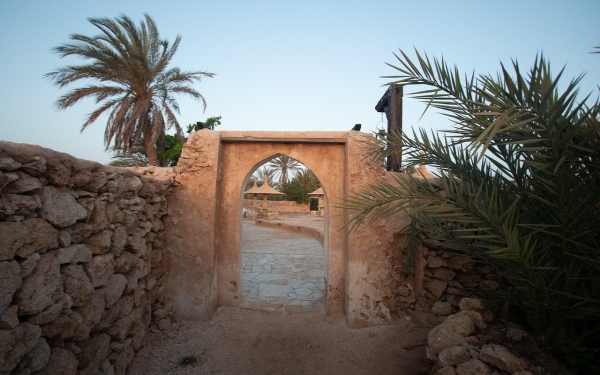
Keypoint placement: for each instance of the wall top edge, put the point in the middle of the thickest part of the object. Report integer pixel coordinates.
(284, 137)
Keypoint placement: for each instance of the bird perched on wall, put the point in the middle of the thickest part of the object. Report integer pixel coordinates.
(356, 127)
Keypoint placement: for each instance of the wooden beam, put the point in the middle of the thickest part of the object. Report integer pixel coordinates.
(396, 123)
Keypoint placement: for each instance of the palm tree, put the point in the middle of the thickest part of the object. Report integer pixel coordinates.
(282, 165)
(306, 177)
(130, 78)
(521, 178)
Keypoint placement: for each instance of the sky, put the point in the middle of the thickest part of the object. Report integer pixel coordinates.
(285, 65)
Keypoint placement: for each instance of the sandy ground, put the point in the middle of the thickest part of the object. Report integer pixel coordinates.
(272, 339)
(243, 341)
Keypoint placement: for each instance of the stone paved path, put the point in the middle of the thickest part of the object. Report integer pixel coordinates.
(281, 268)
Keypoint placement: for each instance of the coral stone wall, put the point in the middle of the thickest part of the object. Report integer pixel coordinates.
(80, 262)
(289, 206)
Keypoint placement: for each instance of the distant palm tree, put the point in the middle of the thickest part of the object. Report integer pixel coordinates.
(306, 177)
(282, 165)
(129, 69)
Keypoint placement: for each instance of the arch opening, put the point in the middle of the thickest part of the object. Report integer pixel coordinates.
(283, 244)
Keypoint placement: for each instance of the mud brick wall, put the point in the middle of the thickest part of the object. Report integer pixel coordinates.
(80, 262)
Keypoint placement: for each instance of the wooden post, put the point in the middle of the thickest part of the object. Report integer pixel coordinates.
(395, 125)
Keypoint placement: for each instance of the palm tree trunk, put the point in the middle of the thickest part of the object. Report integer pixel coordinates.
(149, 145)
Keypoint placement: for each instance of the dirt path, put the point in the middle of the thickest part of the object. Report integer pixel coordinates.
(242, 341)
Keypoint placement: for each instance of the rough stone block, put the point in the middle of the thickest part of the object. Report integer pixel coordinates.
(61, 362)
(76, 284)
(500, 357)
(60, 209)
(473, 367)
(453, 356)
(442, 337)
(26, 237)
(38, 289)
(100, 269)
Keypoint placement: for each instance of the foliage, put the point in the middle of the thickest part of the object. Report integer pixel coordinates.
(306, 177)
(295, 191)
(130, 79)
(169, 150)
(521, 178)
(137, 157)
(189, 360)
(281, 166)
(210, 123)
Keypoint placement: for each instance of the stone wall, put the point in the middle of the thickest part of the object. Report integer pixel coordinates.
(80, 262)
(442, 279)
(284, 206)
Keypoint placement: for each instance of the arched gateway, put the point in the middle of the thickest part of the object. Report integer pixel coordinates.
(204, 223)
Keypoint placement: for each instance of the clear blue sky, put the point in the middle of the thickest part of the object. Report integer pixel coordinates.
(282, 65)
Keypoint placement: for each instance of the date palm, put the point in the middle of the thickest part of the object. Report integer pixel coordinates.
(521, 178)
(282, 165)
(128, 75)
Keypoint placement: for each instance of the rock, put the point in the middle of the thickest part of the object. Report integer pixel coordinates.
(100, 269)
(473, 367)
(443, 273)
(97, 180)
(36, 166)
(441, 308)
(126, 262)
(38, 289)
(123, 307)
(26, 237)
(61, 362)
(164, 324)
(476, 318)
(435, 262)
(7, 178)
(522, 373)
(500, 357)
(453, 356)
(10, 280)
(453, 299)
(436, 287)
(126, 324)
(488, 285)
(446, 371)
(456, 291)
(470, 304)
(90, 313)
(23, 184)
(136, 243)
(62, 327)
(57, 173)
(98, 219)
(118, 241)
(8, 317)
(99, 243)
(37, 357)
(133, 184)
(8, 164)
(442, 337)
(15, 343)
(17, 204)
(79, 232)
(60, 209)
(460, 323)
(74, 254)
(49, 314)
(76, 284)
(64, 238)
(114, 289)
(460, 263)
(81, 178)
(156, 255)
(28, 265)
(516, 334)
